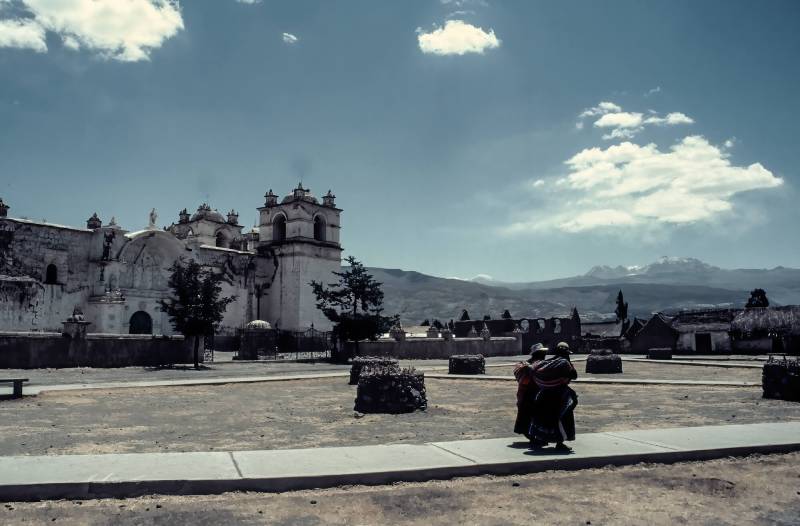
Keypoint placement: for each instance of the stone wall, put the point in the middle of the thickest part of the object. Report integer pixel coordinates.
(31, 350)
(438, 348)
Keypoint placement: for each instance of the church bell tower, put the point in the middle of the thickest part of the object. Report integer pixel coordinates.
(303, 235)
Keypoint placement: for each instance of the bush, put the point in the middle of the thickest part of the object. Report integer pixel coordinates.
(386, 389)
(467, 364)
(362, 363)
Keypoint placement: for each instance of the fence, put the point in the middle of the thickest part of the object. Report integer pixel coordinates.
(270, 344)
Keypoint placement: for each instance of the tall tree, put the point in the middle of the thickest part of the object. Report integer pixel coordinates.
(354, 304)
(622, 308)
(196, 307)
(506, 315)
(464, 315)
(758, 298)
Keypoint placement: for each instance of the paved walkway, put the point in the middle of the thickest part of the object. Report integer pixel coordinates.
(126, 475)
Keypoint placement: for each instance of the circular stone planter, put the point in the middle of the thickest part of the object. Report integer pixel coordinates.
(466, 364)
(780, 379)
(660, 353)
(603, 362)
(387, 390)
(361, 363)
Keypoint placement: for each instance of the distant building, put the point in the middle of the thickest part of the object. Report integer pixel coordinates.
(657, 333)
(117, 277)
(765, 330)
(704, 331)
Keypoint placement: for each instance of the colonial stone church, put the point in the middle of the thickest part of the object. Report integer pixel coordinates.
(116, 276)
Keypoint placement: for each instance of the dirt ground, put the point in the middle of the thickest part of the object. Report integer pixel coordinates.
(755, 490)
(319, 413)
(659, 371)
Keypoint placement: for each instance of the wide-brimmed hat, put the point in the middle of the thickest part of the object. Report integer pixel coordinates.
(563, 348)
(538, 347)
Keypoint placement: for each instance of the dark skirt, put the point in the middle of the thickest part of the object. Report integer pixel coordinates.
(552, 418)
(525, 412)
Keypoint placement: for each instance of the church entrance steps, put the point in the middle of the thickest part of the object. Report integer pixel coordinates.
(127, 475)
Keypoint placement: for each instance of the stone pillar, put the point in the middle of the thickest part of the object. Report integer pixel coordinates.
(485, 333)
(447, 334)
(432, 332)
(398, 333)
(76, 326)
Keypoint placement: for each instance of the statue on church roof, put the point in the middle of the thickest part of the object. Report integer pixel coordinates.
(153, 219)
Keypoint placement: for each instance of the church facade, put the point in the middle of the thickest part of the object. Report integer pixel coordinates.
(116, 277)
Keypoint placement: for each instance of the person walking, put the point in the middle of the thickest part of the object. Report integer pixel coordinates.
(552, 415)
(527, 389)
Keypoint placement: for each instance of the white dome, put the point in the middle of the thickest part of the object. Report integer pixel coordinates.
(258, 324)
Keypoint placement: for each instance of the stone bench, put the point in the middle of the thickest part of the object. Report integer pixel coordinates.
(659, 353)
(466, 364)
(17, 385)
(603, 361)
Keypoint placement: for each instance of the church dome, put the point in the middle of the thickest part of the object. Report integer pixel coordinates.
(204, 212)
(258, 324)
(300, 194)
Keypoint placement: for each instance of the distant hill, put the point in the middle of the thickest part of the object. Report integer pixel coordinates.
(667, 284)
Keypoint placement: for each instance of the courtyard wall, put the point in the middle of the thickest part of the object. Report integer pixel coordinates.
(438, 348)
(33, 350)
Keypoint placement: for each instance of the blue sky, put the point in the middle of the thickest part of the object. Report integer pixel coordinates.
(524, 140)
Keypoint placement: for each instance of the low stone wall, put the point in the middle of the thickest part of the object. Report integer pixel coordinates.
(438, 348)
(603, 362)
(780, 379)
(32, 350)
(659, 353)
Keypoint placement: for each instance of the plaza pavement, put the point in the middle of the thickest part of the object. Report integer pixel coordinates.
(128, 475)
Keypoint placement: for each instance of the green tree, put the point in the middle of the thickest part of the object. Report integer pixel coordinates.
(506, 315)
(354, 304)
(622, 308)
(196, 307)
(758, 298)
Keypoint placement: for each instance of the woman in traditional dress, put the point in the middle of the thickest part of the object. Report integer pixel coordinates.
(552, 409)
(526, 389)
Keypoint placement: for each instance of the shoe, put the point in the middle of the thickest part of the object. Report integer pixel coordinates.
(562, 447)
(537, 446)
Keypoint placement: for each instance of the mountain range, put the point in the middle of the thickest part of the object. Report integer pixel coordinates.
(664, 285)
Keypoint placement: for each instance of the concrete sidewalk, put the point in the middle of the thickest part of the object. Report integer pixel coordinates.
(127, 475)
(591, 380)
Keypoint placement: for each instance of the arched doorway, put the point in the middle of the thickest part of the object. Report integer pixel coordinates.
(279, 228)
(319, 228)
(51, 275)
(141, 323)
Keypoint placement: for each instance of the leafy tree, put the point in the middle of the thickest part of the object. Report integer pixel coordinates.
(464, 315)
(506, 315)
(425, 323)
(354, 304)
(196, 307)
(758, 298)
(438, 324)
(622, 308)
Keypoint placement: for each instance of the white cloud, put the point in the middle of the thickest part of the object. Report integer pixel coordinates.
(625, 124)
(457, 37)
(289, 38)
(630, 185)
(600, 109)
(115, 29)
(249, 2)
(22, 34)
(537, 183)
(653, 91)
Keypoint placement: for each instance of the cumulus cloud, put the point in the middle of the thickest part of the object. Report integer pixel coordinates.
(289, 38)
(624, 124)
(456, 37)
(22, 34)
(631, 185)
(120, 30)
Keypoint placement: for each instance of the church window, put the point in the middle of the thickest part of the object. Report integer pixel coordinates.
(51, 274)
(319, 228)
(221, 240)
(279, 228)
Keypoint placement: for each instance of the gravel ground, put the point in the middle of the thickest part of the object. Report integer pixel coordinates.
(318, 413)
(755, 490)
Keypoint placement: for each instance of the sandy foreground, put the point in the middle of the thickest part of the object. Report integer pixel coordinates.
(755, 490)
(319, 413)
